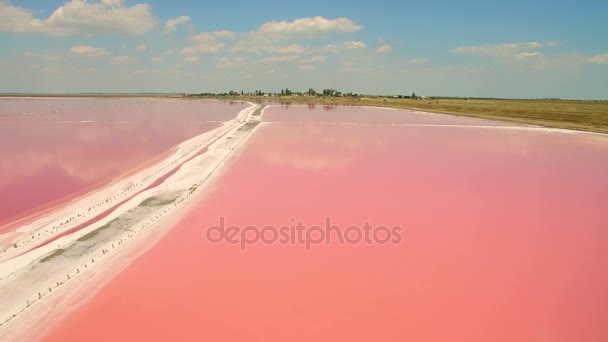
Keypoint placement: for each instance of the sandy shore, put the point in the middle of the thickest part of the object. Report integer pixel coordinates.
(52, 264)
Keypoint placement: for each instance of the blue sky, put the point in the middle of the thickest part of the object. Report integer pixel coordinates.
(516, 49)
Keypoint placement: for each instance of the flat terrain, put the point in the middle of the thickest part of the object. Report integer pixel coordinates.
(591, 116)
(494, 246)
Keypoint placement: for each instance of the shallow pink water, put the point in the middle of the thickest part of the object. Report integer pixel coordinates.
(505, 239)
(370, 115)
(64, 148)
(118, 109)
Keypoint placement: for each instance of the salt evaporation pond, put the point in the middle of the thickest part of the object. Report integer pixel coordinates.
(53, 150)
(504, 239)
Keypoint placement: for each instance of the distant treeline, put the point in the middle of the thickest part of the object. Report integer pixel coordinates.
(288, 92)
(336, 93)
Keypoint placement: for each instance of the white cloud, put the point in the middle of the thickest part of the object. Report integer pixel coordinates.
(207, 43)
(584, 59)
(50, 70)
(156, 60)
(526, 55)
(237, 62)
(140, 72)
(349, 45)
(412, 61)
(191, 59)
(78, 17)
(384, 48)
(598, 59)
(243, 62)
(289, 49)
(16, 19)
(123, 60)
(314, 59)
(141, 48)
(307, 26)
(271, 36)
(279, 59)
(88, 51)
(306, 67)
(172, 24)
(214, 35)
(201, 48)
(510, 50)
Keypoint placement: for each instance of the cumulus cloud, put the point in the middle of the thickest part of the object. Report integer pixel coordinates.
(412, 61)
(79, 17)
(191, 59)
(277, 49)
(279, 59)
(308, 26)
(206, 43)
(598, 59)
(349, 45)
(384, 48)
(236, 62)
(510, 50)
(88, 51)
(303, 63)
(202, 48)
(526, 55)
(172, 24)
(156, 60)
(215, 35)
(314, 59)
(123, 60)
(306, 67)
(16, 19)
(141, 48)
(584, 59)
(272, 35)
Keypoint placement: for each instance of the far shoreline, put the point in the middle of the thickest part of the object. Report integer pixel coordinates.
(576, 115)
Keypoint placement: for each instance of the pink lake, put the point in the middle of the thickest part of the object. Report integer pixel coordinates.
(504, 239)
(52, 150)
(371, 115)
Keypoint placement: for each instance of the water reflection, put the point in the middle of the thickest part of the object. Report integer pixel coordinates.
(329, 107)
(355, 114)
(53, 153)
(492, 242)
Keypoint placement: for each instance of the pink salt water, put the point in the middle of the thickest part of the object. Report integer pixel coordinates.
(504, 239)
(52, 150)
